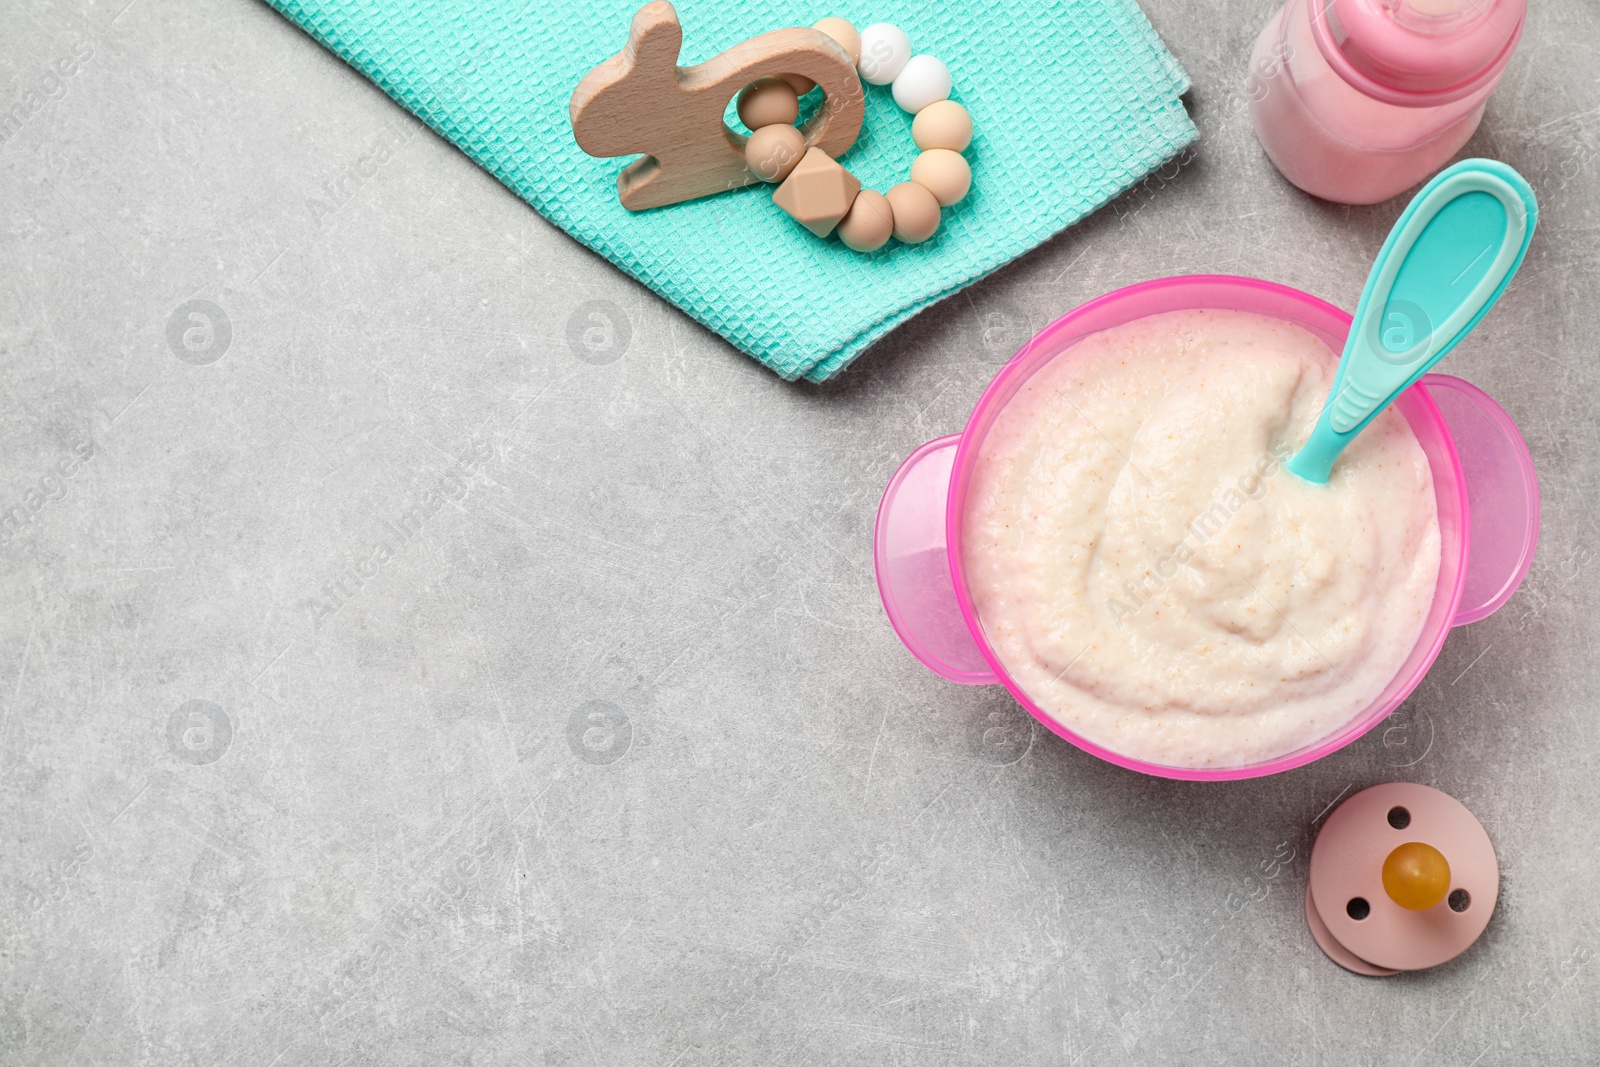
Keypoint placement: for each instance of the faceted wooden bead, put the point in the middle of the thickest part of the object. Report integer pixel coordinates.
(818, 192)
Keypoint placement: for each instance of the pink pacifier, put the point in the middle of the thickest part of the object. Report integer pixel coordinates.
(1403, 877)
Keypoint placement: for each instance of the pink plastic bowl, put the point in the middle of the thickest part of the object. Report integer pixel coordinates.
(1471, 443)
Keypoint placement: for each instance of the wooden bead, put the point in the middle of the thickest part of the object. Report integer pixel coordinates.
(916, 212)
(818, 192)
(944, 124)
(799, 83)
(943, 173)
(773, 151)
(869, 223)
(924, 80)
(842, 31)
(768, 102)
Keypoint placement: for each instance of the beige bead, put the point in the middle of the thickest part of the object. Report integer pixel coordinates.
(818, 192)
(768, 102)
(869, 223)
(773, 151)
(798, 82)
(943, 173)
(916, 212)
(842, 31)
(944, 124)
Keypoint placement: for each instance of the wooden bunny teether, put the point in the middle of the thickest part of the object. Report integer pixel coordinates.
(640, 100)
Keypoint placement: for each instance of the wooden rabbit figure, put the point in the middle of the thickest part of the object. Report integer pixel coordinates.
(640, 100)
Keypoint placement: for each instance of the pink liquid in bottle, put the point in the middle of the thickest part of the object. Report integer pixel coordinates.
(1356, 101)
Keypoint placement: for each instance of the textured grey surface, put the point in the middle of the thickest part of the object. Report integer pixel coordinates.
(614, 760)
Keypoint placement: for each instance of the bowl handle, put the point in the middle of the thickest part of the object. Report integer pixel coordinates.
(913, 564)
(1502, 494)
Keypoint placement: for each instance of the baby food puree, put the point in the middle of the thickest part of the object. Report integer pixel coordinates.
(1154, 579)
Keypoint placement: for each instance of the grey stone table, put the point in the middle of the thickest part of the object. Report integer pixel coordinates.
(427, 647)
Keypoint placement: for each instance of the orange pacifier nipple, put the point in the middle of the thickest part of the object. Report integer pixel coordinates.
(1416, 876)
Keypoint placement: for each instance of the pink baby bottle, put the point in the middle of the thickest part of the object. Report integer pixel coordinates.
(1358, 100)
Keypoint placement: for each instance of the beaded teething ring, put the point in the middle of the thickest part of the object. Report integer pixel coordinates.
(641, 101)
(822, 195)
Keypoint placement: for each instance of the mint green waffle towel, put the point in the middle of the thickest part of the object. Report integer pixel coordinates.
(1073, 101)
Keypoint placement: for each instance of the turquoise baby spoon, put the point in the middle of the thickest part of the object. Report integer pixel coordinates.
(1446, 262)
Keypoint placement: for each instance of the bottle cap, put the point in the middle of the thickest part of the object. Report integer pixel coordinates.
(1417, 53)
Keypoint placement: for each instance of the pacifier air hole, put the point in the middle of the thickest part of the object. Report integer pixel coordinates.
(1399, 818)
(1459, 900)
(1358, 908)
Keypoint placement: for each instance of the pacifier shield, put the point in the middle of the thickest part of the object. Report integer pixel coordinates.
(1346, 891)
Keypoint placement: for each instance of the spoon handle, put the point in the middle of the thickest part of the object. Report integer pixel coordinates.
(1446, 262)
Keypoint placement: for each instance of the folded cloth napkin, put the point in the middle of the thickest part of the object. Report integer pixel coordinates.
(1073, 101)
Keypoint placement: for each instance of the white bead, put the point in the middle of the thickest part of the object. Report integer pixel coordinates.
(884, 52)
(924, 80)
